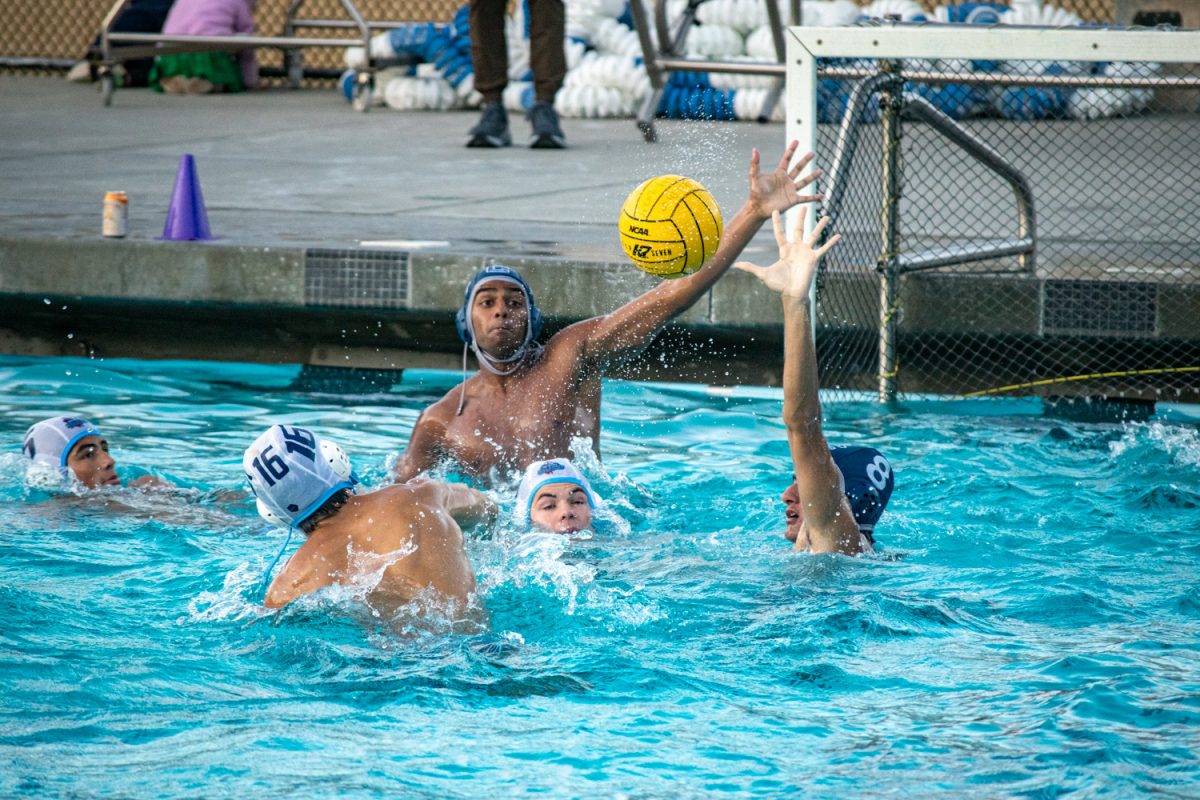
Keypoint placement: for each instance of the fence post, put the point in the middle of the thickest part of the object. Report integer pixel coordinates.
(887, 266)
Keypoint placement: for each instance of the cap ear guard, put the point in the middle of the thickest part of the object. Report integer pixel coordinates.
(535, 319)
(460, 324)
(270, 516)
(338, 461)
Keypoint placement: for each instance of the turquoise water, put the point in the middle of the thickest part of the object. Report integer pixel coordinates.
(1032, 628)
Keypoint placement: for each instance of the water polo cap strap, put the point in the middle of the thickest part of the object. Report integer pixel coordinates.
(488, 361)
(265, 583)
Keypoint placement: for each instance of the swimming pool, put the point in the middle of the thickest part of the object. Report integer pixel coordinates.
(1033, 629)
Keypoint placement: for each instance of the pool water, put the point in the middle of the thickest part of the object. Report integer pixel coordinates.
(1031, 627)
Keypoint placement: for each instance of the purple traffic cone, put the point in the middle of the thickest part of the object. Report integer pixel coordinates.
(186, 218)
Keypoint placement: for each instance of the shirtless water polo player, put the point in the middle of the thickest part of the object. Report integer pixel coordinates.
(528, 402)
(399, 544)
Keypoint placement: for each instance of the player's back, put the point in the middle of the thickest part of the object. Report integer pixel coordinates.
(405, 535)
(400, 543)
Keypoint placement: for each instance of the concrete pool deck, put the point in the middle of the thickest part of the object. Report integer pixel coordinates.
(285, 172)
(303, 192)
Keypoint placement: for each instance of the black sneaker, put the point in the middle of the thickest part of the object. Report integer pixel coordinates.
(492, 130)
(546, 131)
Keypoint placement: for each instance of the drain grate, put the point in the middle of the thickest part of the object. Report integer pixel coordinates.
(356, 278)
(1099, 308)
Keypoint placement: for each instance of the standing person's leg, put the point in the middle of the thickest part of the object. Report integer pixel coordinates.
(547, 27)
(489, 57)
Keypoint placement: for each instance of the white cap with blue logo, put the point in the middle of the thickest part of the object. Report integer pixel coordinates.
(49, 442)
(292, 472)
(544, 473)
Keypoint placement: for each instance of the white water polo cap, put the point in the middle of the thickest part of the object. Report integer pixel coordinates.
(544, 473)
(293, 472)
(49, 442)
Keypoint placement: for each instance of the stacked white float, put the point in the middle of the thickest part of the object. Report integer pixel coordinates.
(606, 78)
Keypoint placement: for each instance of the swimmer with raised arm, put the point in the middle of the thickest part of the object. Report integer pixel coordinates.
(528, 401)
(75, 448)
(837, 496)
(401, 543)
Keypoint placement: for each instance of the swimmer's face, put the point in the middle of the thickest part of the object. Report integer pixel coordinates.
(791, 512)
(561, 508)
(91, 463)
(499, 317)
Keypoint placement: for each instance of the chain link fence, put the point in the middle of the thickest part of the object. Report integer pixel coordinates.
(1012, 229)
(61, 30)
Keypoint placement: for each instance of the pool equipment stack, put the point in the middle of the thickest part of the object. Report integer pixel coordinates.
(1100, 103)
(606, 77)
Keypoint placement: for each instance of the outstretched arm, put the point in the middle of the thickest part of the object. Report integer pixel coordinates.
(469, 507)
(423, 451)
(827, 514)
(633, 325)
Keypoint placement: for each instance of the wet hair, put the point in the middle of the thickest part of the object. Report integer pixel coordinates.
(325, 511)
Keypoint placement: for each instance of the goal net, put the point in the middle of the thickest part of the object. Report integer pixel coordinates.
(1019, 207)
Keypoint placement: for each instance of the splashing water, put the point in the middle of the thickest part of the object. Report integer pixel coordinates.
(1031, 627)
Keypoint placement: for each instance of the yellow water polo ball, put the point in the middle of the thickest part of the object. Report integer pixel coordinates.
(670, 226)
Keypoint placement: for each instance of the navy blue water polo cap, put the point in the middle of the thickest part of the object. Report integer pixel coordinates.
(869, 483)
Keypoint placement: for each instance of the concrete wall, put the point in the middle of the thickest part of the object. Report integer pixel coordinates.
(223, 302)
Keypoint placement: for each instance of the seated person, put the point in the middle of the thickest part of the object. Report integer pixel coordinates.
(75, 448)
(554, 496)
(138, 16)
(209, 71)
(402, 543)
(530, 402)
(836, 498)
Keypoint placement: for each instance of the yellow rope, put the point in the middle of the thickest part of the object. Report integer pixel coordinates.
(1066, 379)
(891, 312)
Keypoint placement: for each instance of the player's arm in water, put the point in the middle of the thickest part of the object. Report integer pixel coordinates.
(828, 518)
(151, 482)
(468, 507)
(426, 446)
(610, 338)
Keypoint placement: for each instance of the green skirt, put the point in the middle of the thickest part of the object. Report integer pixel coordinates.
(218, 68)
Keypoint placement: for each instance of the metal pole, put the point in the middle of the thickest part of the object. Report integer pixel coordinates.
(889, 234)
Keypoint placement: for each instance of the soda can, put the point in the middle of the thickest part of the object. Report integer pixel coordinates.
(116, 214)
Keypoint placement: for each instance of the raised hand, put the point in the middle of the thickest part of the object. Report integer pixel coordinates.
(780, 190)
(792, 275)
